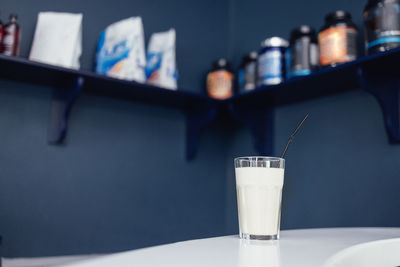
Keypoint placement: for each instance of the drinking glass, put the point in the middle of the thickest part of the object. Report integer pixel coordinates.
(259, 182)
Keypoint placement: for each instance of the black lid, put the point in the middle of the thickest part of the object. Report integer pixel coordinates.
(303, 30)
(372, 3)
(338, 15)
(13, 16)
(221, 63)
(250, 56)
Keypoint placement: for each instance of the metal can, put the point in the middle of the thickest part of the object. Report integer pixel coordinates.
(271, 61)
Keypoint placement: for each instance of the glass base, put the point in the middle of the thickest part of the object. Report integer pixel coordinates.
(258, 237)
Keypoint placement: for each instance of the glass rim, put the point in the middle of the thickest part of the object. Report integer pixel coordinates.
(253, 158)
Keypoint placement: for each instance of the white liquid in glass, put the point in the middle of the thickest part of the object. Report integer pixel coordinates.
(259, 194)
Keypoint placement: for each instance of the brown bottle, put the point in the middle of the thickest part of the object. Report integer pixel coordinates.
(220, 80)
(11, 37)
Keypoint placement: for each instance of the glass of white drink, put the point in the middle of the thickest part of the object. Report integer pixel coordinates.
(259, 182)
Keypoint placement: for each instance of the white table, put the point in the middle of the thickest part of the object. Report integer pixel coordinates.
(308, 248)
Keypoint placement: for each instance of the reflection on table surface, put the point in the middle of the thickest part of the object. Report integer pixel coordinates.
(258, 253)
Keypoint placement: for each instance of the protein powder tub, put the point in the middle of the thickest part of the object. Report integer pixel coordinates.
(382, 25)
(302, 55)
(220, 80)
(247, 74)
(271, 61)
(337, 39)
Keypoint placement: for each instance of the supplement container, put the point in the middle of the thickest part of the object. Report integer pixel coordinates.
(302, 55)
(337, 39)
(271, 61)
(1, 36)
(220, 80)
(382, 25)
(11, 37)
(247, 74)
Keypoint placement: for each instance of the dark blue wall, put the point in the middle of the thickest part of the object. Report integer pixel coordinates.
(122, 181)
(340, 170)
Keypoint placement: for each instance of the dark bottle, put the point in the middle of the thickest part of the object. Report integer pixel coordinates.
(337, 39)
(11, 37)
(382, 25)
(1, 36)
(302, 55)
(220, 80)
(247, 73)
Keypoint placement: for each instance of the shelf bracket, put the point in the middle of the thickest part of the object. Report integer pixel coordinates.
(61, 105)
(384, 85)
(197, 117)
(260, 121)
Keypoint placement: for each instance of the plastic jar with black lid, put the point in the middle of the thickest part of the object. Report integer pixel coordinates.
(1, 38)
(247, 73)
(271, 63)
(220, 80)
(302, 55)
(337, 39)
(382, 25)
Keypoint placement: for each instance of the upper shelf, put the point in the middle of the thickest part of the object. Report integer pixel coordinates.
(328, 80)
(325, 81)
(20, 69)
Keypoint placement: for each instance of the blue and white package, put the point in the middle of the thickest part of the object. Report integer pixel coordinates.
(161, 64)
(121, 52)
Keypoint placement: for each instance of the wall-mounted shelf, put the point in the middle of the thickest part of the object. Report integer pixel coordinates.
(323, 82)
(377, 74)
(20, 69)
(67, 84)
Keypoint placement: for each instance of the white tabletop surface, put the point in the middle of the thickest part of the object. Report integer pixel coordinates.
(308, 248)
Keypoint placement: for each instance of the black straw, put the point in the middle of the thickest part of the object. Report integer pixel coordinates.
(292, 135)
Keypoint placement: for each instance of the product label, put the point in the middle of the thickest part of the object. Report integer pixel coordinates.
(241, 78)
(299, 73)
(288, 58)
(337, 45)
(270, 67)
(384, 40)
(8, 42)
(219, 84)
(314, 59)
(250, 76)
